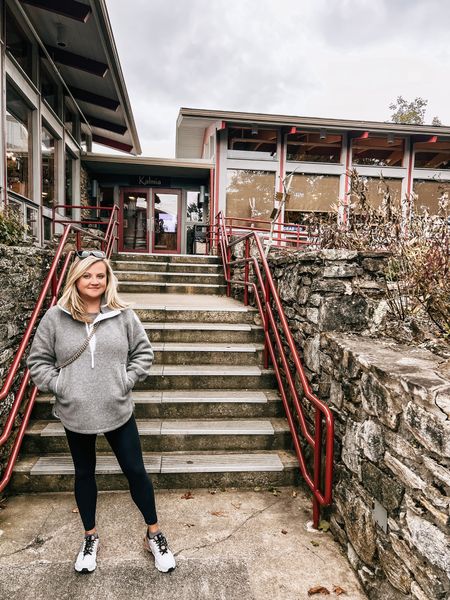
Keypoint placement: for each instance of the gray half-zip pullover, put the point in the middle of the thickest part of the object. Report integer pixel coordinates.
(92, 394)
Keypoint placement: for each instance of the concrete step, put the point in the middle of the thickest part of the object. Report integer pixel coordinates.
(185, 377)
(168, 470)
(210, 313)
(171, 288)
(190, 353)
(162, 267)
(171, 258)
(190, 404)
(187, 278)
(236, 333)
(171, 435)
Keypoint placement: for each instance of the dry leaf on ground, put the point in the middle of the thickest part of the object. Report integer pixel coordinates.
(187, 496)
(75, 510)
(314, 543)
(318, 589)
(284, 531)
(218, 513)
(236, 504)
(338, 590)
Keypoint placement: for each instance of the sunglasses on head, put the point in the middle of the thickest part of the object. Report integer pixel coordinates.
(86, 253)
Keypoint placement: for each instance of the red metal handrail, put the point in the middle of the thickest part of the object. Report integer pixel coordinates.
(52, 283)
(266, 295)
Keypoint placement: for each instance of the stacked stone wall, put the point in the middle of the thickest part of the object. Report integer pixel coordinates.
(391, 509)
(22, 271)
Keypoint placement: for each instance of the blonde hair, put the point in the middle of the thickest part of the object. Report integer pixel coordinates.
(71, 299)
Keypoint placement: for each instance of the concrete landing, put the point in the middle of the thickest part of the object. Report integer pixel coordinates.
(229, 544)
(197, 301)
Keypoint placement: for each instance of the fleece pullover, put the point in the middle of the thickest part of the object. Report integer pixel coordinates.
(93, 393)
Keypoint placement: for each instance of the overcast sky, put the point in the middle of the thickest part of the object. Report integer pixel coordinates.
(324, 58)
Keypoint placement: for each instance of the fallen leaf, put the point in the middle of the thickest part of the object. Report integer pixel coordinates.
(338, 590)
(294, 494)
(284, 531)
(187, 496)
(212, 492)
(237, 505)
(324, 526)
(189, 524)
(319, 589)
(313, 543)
(256, 489)
(274, 491)
(75, 510)
(218, 513)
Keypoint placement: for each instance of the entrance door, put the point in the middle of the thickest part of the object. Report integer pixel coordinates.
(133, 231)
(166, 221)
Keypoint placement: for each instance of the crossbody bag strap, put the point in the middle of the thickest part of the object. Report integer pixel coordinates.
(81, 349)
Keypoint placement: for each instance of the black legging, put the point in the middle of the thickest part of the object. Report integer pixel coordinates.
(126, 445)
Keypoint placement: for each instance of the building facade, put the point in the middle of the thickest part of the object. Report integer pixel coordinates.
(63, 90)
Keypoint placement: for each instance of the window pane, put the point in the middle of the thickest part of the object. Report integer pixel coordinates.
(382, 151)
(432, 156)
(314, 147)
(252, 139)
(47, 229)
(429, 193)
(31, 220)
(194, 209)
(49, 90)
(376, 190)
(250, 195)
(68, 183)
(313, 192)
(48, 168)
(18, 45)
(18, 143)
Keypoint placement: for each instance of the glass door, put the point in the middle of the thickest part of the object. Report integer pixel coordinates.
(133, 234)
(166, 221)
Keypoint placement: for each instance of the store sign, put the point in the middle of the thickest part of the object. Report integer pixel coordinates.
(150, 181)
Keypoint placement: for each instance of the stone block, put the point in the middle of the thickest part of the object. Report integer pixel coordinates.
(328, 285)
(400, 445)
(350, 447)
(385, 489)
(311, 354)
(378, 401)
(406, 475)
(438, 471)
(431, 542)
(394, 569)
(417, 592)
(336, 394)
(372, 442)
(312, 314)
(442, 400)
(338, 271)
(343, 313)
(428, 428)
(315, 299)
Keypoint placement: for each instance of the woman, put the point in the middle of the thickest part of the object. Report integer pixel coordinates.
(89, 351)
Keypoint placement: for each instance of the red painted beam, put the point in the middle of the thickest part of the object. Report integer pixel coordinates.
(67, 8)
(363, 136)
(98, 139)
(107, 125)
(82, 63)
(293, 130)
(96, 99)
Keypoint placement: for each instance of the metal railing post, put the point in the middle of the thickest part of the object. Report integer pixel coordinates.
(317, 465)
(246, 270)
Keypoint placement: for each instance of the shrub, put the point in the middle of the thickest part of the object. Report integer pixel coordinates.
(12, 230)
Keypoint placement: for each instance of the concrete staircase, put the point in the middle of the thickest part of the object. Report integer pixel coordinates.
(209, 415)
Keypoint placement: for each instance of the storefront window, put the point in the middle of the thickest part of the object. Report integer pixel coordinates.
(49, 90)
(68, 182)
(314, 147)
(312, 193)
(250, 195)
(194, 207)
(432, 155)
(381, 151)
(376, 190)
(253, 139)
(430, 194)
(48, 168)
(18, 143)
(31, 218)
(47, 229)
(17, 44)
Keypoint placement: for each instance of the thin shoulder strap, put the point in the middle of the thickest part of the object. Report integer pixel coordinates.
(81, 349)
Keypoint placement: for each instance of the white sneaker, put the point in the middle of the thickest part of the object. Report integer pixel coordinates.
(86, 559)
(164, 559)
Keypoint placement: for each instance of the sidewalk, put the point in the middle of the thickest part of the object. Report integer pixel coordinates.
(252, 545)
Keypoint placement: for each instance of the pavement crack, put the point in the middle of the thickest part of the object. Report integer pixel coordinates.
(227, 537)
(37, 540)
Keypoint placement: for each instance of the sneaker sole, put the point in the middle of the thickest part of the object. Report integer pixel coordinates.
(85, 570)
(147, 547)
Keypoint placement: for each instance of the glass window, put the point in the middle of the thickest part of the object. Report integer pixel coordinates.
(376, 190)
(313, 192)
(49, 90)
(48, 168)
(68, 182)
(432, 155)
(430, 193)
(31, 218)
(194, 206)
(253, 139)
(47, 229)
(314, 147)
(250, 195)
(17, 44)
(18, 143)
(381, 151)
(69, 120)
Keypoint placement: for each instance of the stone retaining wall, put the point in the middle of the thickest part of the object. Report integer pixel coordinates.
(391, 508)
(22, 270)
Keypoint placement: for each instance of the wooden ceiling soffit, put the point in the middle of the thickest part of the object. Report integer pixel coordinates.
(82, 63)
(98, 139)
(95, 99)
(67, 8)
(114, 127)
